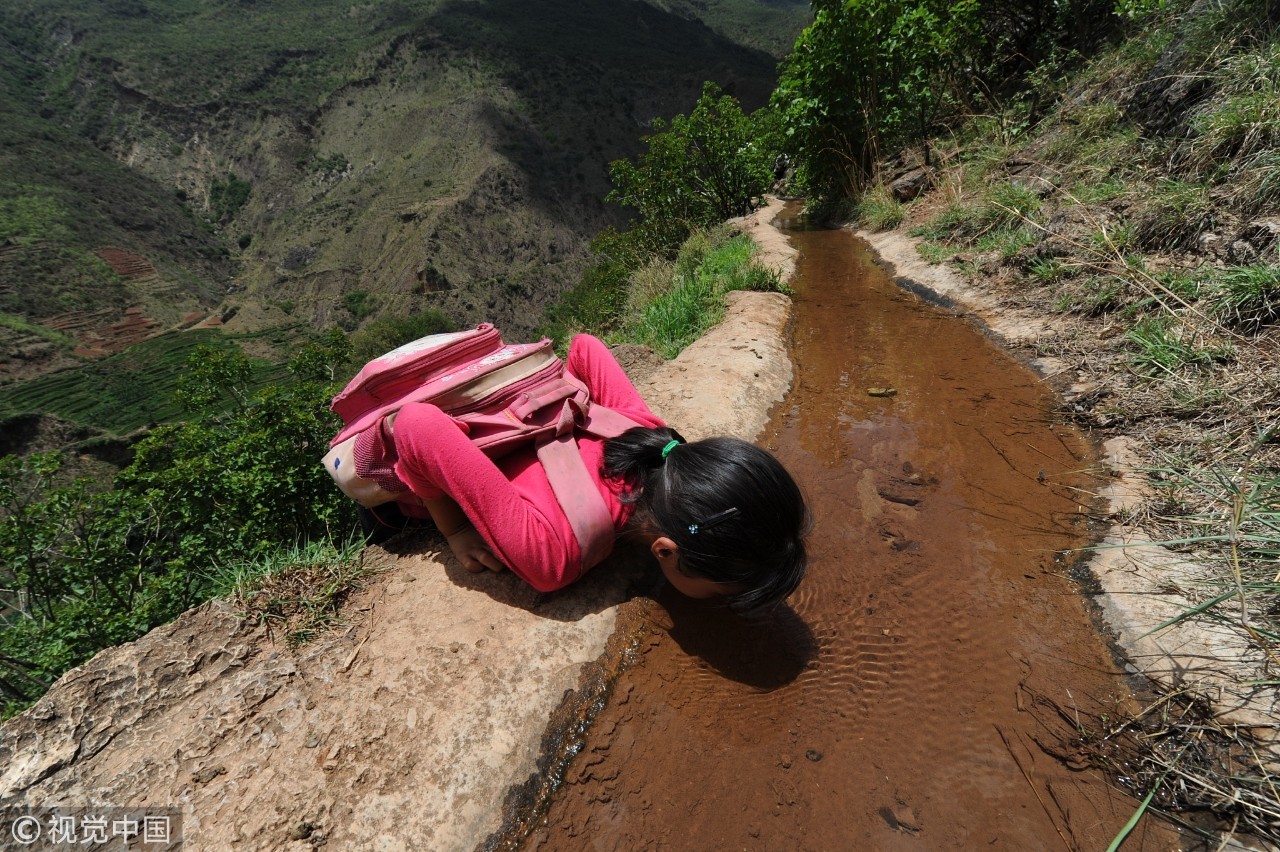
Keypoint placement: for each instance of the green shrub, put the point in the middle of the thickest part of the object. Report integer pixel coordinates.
(86, 569)
(697, 170)
(226, 197)
(359, 303)
(381, 335)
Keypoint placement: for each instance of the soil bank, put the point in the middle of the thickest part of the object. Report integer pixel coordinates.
(921, 688)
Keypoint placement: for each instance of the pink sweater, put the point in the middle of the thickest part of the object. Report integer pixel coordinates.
(510, 502)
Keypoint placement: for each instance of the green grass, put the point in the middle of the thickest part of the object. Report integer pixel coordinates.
(665, 305)
(1175, 214)
(1048, 270)
(935, 253)
(1008, 241)
(1162, 347)
(1093, 296)
(1243, 119)
(877, 210)
(24, 326)
(1001, 215)
(294, 592)
(128, 390)
(709, 265)
(1099, 190)
(1247, 297)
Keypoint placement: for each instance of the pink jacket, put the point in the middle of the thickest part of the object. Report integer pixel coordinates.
(510, 502)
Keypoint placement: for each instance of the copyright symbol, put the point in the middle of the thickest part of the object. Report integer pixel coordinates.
(26, 830)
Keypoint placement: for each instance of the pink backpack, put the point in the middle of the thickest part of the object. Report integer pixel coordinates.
(506, 396)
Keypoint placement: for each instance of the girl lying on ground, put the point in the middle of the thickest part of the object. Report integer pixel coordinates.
(721, 516)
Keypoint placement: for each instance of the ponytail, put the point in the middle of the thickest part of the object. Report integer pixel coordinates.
(632, 456)
(732, 509)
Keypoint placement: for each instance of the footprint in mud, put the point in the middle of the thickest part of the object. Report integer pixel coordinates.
(892, 502)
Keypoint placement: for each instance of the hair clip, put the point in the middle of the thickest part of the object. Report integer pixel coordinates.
(717, 518)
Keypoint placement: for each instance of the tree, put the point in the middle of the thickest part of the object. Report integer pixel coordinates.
(867, 75)
(700, 169)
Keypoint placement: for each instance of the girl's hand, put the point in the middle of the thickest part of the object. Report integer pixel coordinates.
(472, 552)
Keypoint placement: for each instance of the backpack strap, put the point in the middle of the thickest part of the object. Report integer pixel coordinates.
(577, 494)
(575, 490)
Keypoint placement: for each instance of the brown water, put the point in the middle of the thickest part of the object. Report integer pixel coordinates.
(921, 689)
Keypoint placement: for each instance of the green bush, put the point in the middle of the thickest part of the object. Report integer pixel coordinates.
(867, 76)
(359, 303)
(87, 569)
(226, 197)
(696, 171)
(381, 335)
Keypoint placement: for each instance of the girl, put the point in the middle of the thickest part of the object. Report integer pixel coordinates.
(721, 516)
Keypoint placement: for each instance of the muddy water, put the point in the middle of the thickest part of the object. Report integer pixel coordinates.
(920, 690)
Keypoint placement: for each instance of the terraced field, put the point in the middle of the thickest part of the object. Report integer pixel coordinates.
(128, 390)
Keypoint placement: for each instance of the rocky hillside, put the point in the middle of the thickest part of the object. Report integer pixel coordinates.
(325, 162)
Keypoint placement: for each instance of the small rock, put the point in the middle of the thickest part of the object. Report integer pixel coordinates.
(301, 831)
(882, 392)
(910, 185)
(204, 776)
(785, 761)
(1242, 253)
(813, 755)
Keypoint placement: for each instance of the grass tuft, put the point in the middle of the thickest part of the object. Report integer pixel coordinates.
(877, 210)
(295, 592)
(1164, 347)
(1177, 214)
(708, 266)
(1247, 297)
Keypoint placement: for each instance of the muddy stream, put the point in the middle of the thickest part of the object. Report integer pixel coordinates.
(919, 690)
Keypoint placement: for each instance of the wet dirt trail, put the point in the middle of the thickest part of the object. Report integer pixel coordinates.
(909, 695)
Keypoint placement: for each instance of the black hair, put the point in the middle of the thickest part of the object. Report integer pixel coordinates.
(688, 497)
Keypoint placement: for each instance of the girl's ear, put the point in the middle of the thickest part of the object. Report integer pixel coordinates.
(664, 549)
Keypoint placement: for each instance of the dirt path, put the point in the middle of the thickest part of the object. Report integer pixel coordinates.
(922, 688)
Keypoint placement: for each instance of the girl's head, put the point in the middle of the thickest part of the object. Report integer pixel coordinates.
(731, 513)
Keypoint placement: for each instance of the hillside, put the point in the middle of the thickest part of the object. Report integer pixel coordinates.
(327, 163)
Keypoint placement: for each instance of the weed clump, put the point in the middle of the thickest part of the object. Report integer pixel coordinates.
(878, 210)
(1247, 297)
(295, 592)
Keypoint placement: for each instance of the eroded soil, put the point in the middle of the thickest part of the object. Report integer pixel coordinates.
(927, 686)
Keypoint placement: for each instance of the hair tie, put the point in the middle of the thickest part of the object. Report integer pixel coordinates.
(668, 448)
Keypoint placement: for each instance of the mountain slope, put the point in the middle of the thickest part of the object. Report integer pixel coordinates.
(359, 160)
